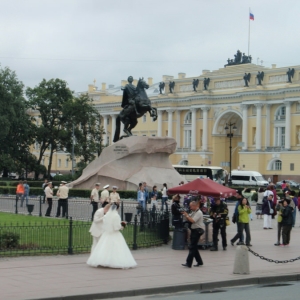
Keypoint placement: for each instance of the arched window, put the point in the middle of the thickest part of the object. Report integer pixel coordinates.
(184, 162)
(276, 165)
(280, 113)
(188, 118)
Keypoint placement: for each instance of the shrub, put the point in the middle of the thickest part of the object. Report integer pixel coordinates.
(9, 240)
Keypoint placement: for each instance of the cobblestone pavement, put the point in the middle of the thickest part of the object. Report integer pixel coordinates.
(159, 270)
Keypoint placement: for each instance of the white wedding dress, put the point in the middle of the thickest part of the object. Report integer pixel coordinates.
(112, 250)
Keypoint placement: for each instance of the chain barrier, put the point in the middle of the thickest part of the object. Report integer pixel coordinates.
(273, 260)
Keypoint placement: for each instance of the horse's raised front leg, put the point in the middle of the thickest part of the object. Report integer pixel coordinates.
(153, 113)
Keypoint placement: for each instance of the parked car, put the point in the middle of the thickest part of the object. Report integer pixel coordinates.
(293, 184)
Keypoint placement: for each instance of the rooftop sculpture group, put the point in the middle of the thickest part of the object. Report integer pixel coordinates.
(239, 58)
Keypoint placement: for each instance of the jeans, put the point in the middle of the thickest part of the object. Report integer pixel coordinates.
(279, 230)
(193, 249)
(26, 199)
(142, 203)
(19, 195)
(294, 216)
(237, 236)
(164, 201)
(245, 226)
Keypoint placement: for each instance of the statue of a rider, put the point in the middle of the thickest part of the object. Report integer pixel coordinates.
(129, 95)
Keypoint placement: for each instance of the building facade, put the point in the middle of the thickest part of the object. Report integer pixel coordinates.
(266, 118)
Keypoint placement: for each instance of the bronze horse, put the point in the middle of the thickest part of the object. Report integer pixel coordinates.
(129, 116)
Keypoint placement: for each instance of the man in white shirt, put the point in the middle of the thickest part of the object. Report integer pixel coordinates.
(63, 194)
(96, 229)
(197, 229)
(105, 195)
(114, 197)
(95, 198)
(49, 196)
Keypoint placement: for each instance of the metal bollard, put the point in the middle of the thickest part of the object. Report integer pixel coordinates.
(122, 211)
(241, 261)
(134, 246)
(16, 210)
(40, 200)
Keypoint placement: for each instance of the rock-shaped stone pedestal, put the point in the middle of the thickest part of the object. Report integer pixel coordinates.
(131, 161)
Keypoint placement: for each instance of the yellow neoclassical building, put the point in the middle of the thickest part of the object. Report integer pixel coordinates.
(266, 118)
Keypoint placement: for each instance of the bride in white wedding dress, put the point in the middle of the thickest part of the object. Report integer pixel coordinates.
(112, 250)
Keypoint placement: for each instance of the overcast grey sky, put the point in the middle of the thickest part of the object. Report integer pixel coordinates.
(82, 40)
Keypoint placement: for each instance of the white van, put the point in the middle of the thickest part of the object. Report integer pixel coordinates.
(248, 178)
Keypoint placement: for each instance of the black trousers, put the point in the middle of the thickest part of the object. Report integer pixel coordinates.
(62, 203)
(286, 234)
(95, 207)
(48, 211)
(219, 226)
(193, 249)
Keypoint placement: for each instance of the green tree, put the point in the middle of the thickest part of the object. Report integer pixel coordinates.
(50, 98)
(16, 128)
(88, 132)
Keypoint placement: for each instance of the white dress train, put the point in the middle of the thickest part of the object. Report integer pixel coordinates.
(112, 250)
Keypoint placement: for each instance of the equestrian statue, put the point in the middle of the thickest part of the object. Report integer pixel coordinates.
(135, 104)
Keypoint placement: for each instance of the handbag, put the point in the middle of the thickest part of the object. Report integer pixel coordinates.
(199, 230)
(271, 209)
(234, 219)
(227, 222)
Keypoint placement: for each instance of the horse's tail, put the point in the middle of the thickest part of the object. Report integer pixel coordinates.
(117, 132)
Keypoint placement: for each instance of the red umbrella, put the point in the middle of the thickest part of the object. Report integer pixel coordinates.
(205, 187)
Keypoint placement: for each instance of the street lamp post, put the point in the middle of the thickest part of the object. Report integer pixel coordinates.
(72, 150)
(230, 135)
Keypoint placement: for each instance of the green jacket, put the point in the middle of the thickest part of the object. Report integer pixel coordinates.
(244, 214)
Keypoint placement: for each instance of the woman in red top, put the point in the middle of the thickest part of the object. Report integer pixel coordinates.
(20, 192)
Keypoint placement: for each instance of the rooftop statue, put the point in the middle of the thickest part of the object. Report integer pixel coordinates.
(195, 84)
(171, 86)
(135, 104)
(239, 58)
(247, 78)
(290, 73)
(161, 87)
(260, 77)
(206, 83)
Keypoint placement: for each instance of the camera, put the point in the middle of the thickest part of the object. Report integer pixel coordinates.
(183, 209)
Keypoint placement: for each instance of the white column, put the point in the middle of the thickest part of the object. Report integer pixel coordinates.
(170, 122)
(205, 128)
(178, 127)
(288, 125)
(105, 129)
(113, 126)
(121, 129)
(159, 123)
(245, 126)
(193, 137)
(268, 123)
(258, 126)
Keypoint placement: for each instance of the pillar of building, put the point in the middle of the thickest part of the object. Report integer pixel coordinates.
(178, 127)
(205, 110)
(258, 126)
(287, 144)
(170, 122)
(245, 127)
(105, 129)
(193, 137)
(268, 124)
(159, 123)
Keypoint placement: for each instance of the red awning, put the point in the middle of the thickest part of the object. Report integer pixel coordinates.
(205, 187)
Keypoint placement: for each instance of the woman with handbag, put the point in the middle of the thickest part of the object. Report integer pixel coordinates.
(267, 211)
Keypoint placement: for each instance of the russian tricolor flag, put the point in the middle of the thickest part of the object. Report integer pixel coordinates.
(251, 15)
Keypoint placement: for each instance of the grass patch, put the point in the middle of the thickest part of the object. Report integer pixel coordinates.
(40, 235)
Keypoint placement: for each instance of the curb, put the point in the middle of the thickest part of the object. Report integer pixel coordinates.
(181, 288)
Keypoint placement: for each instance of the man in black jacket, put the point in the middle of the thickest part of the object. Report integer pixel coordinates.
(287, 221)
(218, 213)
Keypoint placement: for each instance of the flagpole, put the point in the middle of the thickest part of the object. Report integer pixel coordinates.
(249, 33)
